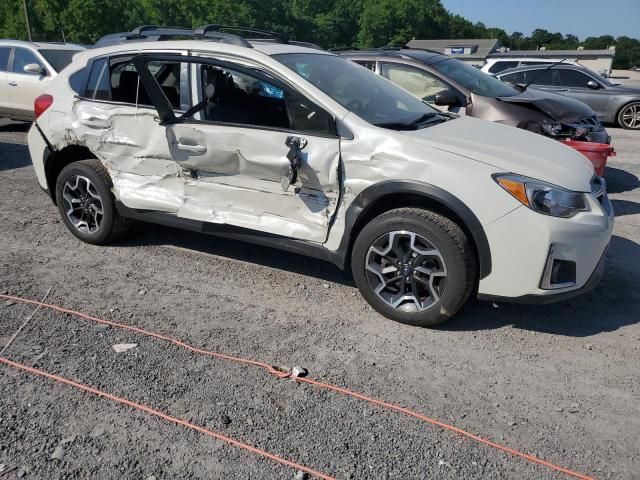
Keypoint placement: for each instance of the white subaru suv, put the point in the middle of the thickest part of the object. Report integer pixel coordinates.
(271, 142)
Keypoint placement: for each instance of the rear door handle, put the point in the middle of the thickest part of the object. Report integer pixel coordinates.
(192, 148)
(13, 83)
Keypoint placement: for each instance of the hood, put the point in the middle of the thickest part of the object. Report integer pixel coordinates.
(509, 149)
(558, 107)
(621, 89)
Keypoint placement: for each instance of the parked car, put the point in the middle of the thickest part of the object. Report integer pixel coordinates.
(497, 65)
(26, 69)
(302, 150)
(446, 82)
(612, 102)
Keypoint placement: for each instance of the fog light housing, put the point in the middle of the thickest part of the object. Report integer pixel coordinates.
(558, 273)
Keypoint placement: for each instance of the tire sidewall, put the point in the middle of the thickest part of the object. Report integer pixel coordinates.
(104, 190)
(457, 288)
(622, 110)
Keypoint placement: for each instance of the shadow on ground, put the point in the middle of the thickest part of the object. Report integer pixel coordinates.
(150, 234)
(614, 304)
(619, 181)
(14, 155)
(625, 207)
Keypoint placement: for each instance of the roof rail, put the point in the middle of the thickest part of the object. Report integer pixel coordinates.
(343, 49)
(265, 33)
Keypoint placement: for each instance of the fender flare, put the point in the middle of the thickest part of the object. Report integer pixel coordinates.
(374, 193)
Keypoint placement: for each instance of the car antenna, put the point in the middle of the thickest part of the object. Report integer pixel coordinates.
(542, 73)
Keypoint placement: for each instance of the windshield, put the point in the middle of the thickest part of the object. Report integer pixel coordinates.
(58, 59)
(473, 79)
(358, 89)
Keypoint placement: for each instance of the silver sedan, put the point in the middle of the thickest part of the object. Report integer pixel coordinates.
(612, 102)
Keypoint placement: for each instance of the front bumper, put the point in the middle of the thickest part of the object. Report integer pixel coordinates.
(520, 244)
(599, 137)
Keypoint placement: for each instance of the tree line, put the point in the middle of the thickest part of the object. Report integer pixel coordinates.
(330, 23)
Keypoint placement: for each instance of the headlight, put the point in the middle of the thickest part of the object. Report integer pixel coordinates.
(543, 197)
(552, 129)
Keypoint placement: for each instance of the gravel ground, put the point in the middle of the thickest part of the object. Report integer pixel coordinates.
(559, 381)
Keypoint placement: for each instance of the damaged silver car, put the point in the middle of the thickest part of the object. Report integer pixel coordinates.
(271, 142)
(449, 83)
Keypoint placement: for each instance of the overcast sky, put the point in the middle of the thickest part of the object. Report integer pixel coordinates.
(584, 18)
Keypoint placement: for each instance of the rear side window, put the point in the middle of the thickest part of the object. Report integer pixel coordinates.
(117, 80)
(4, 58)
(21, 58)
(58, 59)
(98, 84)
(502, 66)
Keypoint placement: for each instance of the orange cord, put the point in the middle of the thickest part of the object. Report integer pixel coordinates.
(164, 416)
(328, 386)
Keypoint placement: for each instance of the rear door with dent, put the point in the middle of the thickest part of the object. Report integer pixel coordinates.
(117, 121)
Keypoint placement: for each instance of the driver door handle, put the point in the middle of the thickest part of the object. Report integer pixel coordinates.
(192, 148)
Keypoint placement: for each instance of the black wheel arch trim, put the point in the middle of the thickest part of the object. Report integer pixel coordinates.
(369, 197)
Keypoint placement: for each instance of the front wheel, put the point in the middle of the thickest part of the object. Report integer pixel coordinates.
(629, 116)
(414, 266)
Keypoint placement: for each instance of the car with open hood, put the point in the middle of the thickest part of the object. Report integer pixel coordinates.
(612, 102)
(270, 142)
(446, 82)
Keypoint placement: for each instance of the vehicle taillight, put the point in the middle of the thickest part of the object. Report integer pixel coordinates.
(41, 104)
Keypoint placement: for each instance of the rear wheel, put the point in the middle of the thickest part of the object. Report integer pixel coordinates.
(85, 202)
(414, 266)
(629, 116)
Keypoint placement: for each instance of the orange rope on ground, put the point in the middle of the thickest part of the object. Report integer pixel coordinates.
(164, 416)
(328, 386)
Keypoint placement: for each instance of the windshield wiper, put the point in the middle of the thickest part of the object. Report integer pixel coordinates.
(421, 121)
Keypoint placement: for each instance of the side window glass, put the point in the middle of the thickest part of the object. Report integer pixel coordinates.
(539, 77)
(572, 78)
(237, 98)
(4, 58)
(418, 82)
(501, 66)
(117, 81)
(371, 65)
(98, 84)
(21, 58)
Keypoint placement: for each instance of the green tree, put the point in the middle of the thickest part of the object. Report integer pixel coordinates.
(386, 22)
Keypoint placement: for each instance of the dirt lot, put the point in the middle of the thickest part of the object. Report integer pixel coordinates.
(560, 381)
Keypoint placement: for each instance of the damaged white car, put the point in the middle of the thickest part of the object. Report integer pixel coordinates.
(296, 148)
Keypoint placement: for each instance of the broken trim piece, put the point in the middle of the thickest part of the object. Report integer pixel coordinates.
(300, 247)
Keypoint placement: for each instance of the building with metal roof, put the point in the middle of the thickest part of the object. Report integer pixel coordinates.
(474, 51)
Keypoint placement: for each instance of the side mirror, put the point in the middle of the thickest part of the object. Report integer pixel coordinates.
(592, 84)
(34, 69)
(445, 98)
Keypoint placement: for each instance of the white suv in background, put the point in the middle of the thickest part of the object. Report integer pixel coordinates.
(25, 71)
(300, 149)
(497, 65)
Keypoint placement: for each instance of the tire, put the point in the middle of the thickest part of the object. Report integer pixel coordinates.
(425, 248)
(86, 185)
(629, 116)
